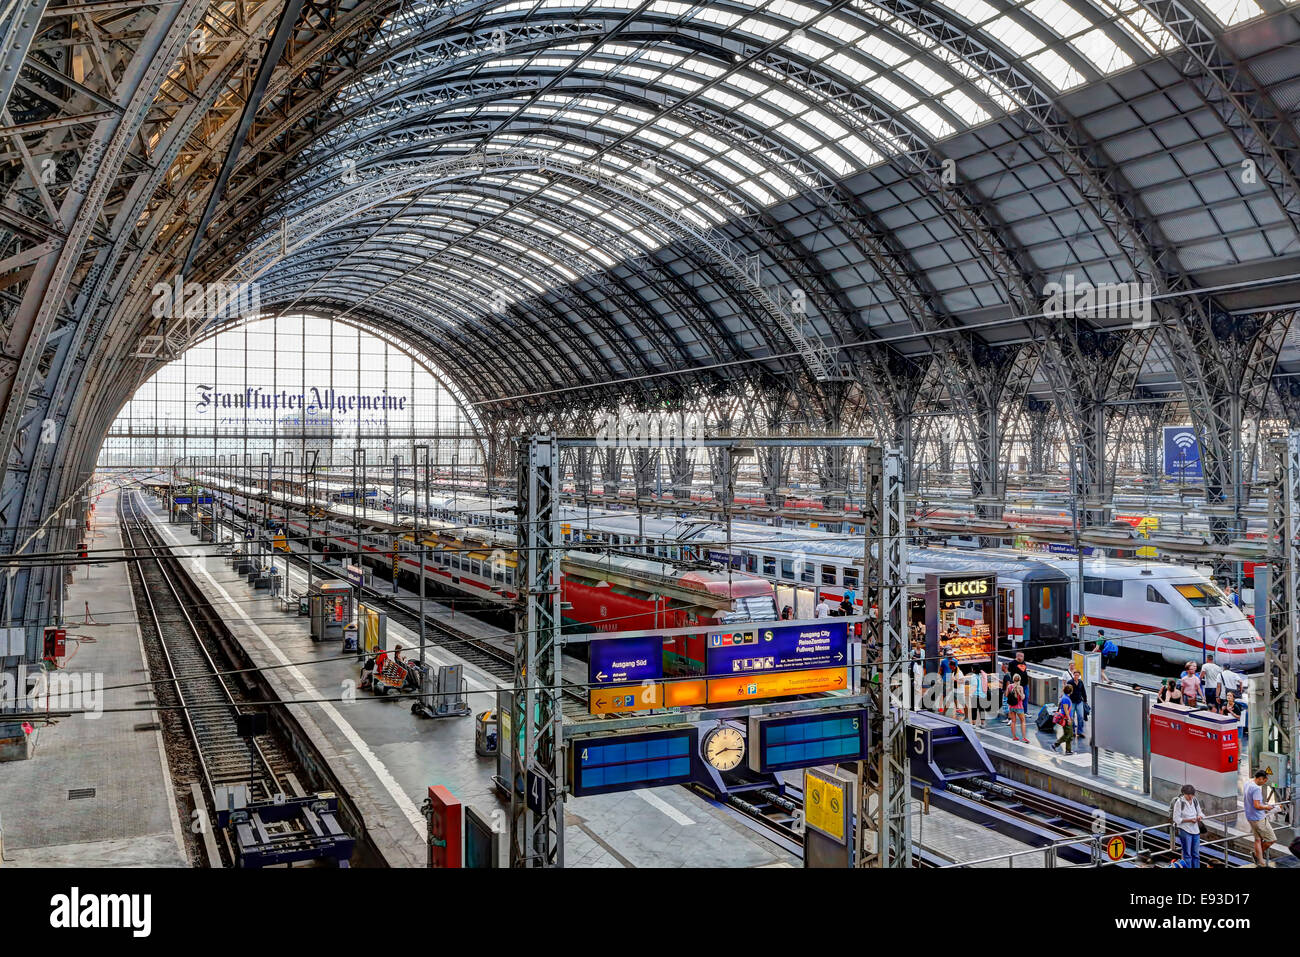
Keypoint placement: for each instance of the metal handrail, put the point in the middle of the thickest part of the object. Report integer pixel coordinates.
(1049, 853)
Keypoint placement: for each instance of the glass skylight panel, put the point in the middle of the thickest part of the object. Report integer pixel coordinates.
(851, 67)
(930, 121)
(1056, 70)
(792, 132)
(808, 47)
(834, 161)
(792, 11)
(778, 184)
(761, 28)
(670, 7)
(1229, 12)
(1063, 18)
(924, 77)
(880, 49)
(974, 11)
(757, 192)
(724, 99)
(1100, 51)
(1015, 37)
(841, 30)
(966, 108)
(711, 15)
(680, 82)
(891, 93)
(760, 115)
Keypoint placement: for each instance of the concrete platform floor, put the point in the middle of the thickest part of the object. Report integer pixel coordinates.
(131, 819)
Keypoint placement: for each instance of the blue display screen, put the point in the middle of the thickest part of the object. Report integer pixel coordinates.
(806, 741)
(603, 765)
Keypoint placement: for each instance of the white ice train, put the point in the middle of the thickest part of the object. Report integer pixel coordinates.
(1167, 610)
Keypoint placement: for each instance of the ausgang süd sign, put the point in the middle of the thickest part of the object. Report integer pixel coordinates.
(967, 587)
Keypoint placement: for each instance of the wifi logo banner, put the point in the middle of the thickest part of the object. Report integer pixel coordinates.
(1182, 452)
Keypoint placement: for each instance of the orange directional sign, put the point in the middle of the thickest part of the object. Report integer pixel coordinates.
(624, 698)
(1115, 848)
(777, 684)
(680, 694)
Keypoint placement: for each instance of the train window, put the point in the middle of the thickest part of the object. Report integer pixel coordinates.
(751, 563)
(851, 578)
(829, 575)
(769, 566)
(807, 572)
(1202, 596)
(787, 569)
(1108, 587)
(1155, 596)
(474, 568)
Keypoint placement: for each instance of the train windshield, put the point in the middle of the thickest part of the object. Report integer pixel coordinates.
(750, 608)
(1205, 595)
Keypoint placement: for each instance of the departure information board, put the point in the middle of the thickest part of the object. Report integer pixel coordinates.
(800, 741)
(604, 764)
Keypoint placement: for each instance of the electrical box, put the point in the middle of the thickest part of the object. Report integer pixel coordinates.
(443, 812)
(56, 645)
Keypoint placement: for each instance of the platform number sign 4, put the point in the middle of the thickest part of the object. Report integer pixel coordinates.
(538, 789)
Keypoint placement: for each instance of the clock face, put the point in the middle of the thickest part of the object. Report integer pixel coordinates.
(724, 747)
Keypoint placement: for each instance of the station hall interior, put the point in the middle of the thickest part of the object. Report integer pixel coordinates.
(469, 434)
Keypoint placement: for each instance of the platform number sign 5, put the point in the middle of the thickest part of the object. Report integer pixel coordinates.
(918, 741)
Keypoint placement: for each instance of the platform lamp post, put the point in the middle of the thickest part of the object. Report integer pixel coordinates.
(1077, 516)
(286, 480)
(397, 465)
(416, 449)
(309, 501)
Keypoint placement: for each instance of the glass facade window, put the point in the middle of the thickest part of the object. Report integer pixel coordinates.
(293, 386)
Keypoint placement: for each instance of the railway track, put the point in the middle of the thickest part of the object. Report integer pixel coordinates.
(191, 688)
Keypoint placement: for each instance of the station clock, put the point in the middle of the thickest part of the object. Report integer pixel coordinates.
(724, 747)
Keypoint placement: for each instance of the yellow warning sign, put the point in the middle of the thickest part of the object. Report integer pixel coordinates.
(1083, 621)
(824, 805)
(1115, 848)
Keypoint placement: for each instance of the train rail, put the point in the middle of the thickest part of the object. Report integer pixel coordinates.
(240, 774)
(210, 708)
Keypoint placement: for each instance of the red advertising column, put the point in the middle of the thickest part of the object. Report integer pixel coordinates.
(443, 811)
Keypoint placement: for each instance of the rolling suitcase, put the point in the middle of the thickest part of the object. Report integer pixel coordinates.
(1044, 720)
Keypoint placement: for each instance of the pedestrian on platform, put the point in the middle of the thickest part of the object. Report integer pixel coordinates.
(823, 609)
(1016, 709)
(1233, 596)
(1021, 670)
(1257, 809)
(958, 686)
(1166, 692)
(996, 700)
(1191, 685)
(1078, 702)
(787, 613)
(1188, 816)
(1212, 682)
(1064, 721)
(985, 695)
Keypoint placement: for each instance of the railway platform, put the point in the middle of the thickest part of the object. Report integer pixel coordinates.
(95, 791)
(387, 757)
